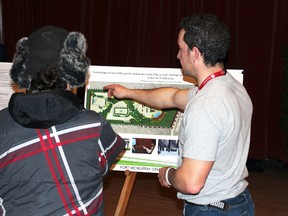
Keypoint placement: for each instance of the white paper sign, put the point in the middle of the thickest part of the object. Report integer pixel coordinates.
(7, 88)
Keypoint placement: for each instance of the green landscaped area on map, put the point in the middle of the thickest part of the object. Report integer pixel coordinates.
(127, 111)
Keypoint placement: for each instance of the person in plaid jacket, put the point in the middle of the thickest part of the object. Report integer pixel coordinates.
(53, 153)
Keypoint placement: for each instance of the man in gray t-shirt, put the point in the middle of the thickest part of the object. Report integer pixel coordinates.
(215, 130)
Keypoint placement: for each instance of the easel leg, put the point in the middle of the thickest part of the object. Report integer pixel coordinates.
(126, 192)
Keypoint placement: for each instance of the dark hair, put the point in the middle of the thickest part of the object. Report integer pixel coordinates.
(209, 35)
(47, 78)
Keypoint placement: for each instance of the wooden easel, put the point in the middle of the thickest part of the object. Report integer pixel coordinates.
(125, 193)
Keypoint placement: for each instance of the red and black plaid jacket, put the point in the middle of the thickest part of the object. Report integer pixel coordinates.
(56, 170)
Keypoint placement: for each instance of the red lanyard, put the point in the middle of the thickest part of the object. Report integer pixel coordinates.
(212, 76)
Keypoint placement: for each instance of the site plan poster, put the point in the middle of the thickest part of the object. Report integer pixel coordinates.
(151, 135)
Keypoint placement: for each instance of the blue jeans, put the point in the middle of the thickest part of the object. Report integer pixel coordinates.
(241, 205)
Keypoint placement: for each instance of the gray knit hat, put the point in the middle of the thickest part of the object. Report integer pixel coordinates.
(51, 46)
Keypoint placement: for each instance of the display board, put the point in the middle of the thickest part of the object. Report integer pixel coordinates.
(151, 135)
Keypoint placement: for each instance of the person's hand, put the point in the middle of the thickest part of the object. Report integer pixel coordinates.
(162, 178)
(116, 90)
